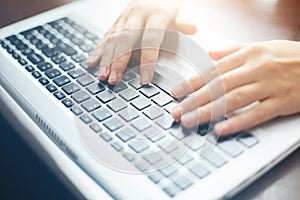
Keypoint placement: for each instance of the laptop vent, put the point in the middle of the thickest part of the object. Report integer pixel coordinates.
(54, 137)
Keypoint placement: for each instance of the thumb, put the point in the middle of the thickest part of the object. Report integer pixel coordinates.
(184, 24)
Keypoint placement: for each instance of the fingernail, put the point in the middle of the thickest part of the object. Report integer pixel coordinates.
(177, 91)
(145, 78)
(113, 77)
(190, 119)
(221, 128)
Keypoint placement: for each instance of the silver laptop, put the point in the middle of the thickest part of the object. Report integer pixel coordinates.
(123, 137)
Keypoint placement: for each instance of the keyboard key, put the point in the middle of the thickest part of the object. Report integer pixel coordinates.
(184, 159)
(153, 158)
(75, 73)
(199, 170)
(67, 49)
(36, 74)
(44, 66)
(154, 134)
(59, 95)
(95, 88)
(86, 48)
(66, 66)
(91, 36)
(182, 182)
(102, 114)
(142, 166)
(117, 146)
(29, 68)
(51, 52)
(43, 81)
(76, 110)
(128, 114)
(128, 76)
(247, 139)
(216, 159)
(166, 121)
(15, 55)
(129, 156)
(169, 170)
(68, 102)
(136, 83)
(162, 99)
(168, 145)
(61, 80)
(129, 94)
(77, 41)
(58, 59)
(149, 91)
(156, 177)
(141, 124)
(85, 118)
(35, 58)
(105, 136)
(51, 88)
(179, 132)
(95, 127)
(85, 80)
(81, 96)
(118, 87)
(231, 147)
(194, 141)
(125, 134)
(171, 190)
(79, 58)
(113, 124)
(71, 88)
(138, 145)
(106, 96)
(93, 71)
(91, 105)
(153, 112)
(22, 61)
(79, 29)
(117, 104)
(52, 73)
(140, 103)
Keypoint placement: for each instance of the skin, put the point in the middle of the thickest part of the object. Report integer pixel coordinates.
(138, 22)
(264, 74)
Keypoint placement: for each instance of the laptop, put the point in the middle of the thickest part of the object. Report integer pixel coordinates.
(122, 138)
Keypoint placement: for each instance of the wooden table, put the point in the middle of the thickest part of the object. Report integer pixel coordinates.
(241, 21)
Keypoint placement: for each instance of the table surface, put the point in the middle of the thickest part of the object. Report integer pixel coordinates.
(241, 21)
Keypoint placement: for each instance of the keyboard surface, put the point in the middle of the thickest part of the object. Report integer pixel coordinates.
(134, 119)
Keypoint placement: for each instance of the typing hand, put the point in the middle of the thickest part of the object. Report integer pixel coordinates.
(141, 20)
(266, 74)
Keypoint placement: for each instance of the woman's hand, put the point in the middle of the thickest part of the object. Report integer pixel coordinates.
(266, 74)
(141, 20)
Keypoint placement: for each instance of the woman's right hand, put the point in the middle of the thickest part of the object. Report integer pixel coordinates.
(141, 20)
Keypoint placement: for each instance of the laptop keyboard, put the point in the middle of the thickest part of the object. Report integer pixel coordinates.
(54, 54)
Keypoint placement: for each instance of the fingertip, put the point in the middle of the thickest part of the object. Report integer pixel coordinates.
(190, 119)
(177, 91)
(176, 112)
(222, 128)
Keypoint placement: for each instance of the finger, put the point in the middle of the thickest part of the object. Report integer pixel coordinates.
(96, 54)
(234, 100)
(260, 113)
(224, 65)
(107, 58)
(184, 24)
(123, 48)
(215, 89)
(151, 41)
(218, 54)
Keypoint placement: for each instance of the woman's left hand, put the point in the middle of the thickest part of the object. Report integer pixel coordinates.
(267, 73)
